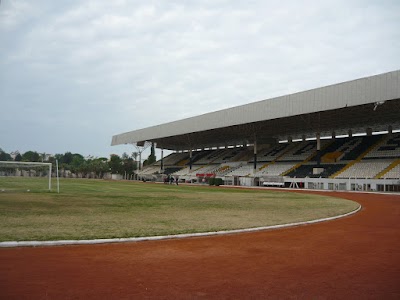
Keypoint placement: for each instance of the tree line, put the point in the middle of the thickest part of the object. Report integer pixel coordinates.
(75, 163)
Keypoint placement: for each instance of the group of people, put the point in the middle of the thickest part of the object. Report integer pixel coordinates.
(170, 179)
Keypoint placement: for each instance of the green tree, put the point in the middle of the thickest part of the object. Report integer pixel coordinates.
(4, 156)
(83, 168)
(135, 155)
(42, 157)
(67, 158)
(124, 156)
(59, 157)
(77, 164)
(128, 165)
(99, 166)
(135, 158)
(31, 156)
(115, 164)
(62, 167)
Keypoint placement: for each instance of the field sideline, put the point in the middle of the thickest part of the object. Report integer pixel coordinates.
(94, 209)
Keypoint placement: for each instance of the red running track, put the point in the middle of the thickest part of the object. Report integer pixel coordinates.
(357, 257)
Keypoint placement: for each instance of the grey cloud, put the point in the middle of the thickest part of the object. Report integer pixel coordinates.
(97, 68)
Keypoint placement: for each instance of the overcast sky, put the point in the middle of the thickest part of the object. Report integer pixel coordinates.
(74, 73)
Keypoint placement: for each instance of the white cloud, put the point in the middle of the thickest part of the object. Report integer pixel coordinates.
(13, 13)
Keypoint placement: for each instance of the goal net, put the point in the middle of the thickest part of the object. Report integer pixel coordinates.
(25, 176)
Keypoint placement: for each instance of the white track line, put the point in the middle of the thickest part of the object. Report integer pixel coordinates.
(164, 237)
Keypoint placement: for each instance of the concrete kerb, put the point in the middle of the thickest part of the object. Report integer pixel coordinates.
(12, 244)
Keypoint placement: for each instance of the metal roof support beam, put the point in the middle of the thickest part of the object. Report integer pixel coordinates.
(318, 136)
(140, 147)
(390, 129)
(255, 155)
(190, 159)
(162, 161)
(350, 132)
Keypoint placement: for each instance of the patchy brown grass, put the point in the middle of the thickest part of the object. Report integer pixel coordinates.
(87, 209)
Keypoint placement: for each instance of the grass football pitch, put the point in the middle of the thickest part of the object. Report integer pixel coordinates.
(89, 209)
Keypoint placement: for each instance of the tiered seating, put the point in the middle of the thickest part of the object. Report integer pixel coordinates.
(388, 149)
(360, 147)
(277, 160)
(227, 168)
(349, 145)
(244, 170)
(341, 146)
(173, 159)
(276, 169)
(149, 170)
(228, 155)
(197, 155)
(207, 169)
(170, 170)
(393, 173)
(211, 156)
(186, 171)
(301, 151)
(365, 169)
(307, 170)
(273, 153)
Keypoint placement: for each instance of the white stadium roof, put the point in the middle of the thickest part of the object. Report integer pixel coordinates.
(366, 102)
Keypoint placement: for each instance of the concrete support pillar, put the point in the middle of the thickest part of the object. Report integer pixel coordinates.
(350, 133)
(255, 155)
(318, 136)
(162, 161)
(190, 158)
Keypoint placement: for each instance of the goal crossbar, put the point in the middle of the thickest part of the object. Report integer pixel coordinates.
(26, 165)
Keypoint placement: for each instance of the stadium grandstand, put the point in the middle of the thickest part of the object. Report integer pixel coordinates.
(344, 136)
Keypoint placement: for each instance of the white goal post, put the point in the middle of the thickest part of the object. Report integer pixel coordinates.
(26, 165)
